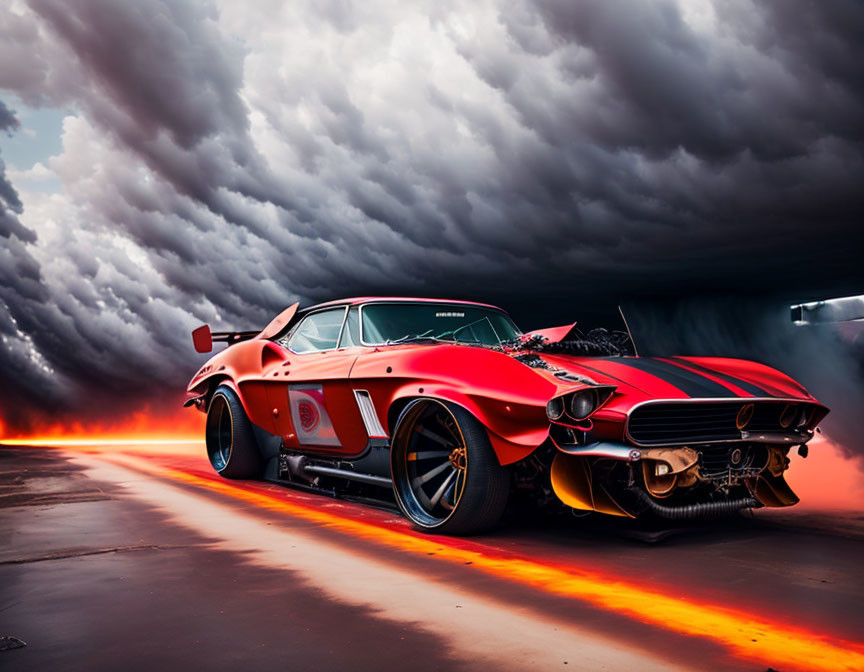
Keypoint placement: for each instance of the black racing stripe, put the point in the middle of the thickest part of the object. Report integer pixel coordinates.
(690, 383)
(609, 375)
(752, 388)
(604, 373)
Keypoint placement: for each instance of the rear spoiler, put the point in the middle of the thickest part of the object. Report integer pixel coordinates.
(203, 338)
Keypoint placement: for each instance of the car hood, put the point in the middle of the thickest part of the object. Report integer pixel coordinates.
(669, 377)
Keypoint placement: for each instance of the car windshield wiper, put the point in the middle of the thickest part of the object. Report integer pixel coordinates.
(454, 332)
(450, 336)
(512, 342)
(409, 338)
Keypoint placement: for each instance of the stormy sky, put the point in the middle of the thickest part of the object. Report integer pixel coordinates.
(173, 162)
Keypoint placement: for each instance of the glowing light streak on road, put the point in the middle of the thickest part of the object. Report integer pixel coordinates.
(745, 636)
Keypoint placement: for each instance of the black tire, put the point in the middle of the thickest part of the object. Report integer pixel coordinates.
(446, 477)
(231, 445)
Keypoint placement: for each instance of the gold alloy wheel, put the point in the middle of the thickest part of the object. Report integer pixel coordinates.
(435, 465)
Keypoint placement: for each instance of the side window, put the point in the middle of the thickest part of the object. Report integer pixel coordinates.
(318, 331)
(351, 332)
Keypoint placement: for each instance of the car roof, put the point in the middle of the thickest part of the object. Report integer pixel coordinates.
(357, 300)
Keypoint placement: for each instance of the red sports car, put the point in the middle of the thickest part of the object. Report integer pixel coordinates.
(449, 407)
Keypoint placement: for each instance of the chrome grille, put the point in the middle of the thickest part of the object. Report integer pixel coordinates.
(700, 422)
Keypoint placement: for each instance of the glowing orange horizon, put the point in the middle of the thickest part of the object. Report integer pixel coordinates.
(141, 428)
(53, 441)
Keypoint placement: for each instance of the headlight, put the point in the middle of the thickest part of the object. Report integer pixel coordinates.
(582, 404)
(555, 408)
(789, 415)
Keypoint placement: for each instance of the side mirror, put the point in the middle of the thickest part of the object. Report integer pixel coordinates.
(202, 339)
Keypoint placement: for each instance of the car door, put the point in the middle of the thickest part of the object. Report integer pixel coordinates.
(323, 410)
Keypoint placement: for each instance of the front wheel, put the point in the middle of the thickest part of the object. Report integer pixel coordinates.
(231, 445)
(445, 475)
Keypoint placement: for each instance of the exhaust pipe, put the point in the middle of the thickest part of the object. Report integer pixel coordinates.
(696, 511)
(380, 481)
(295, 465)
(298, 467)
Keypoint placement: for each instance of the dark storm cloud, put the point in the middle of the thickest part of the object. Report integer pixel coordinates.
(669, 89)
(160, 78)
(133, 66)
(8, 121)
(225, 162)
(10, 202)
(19, 284)
(695, 144)
(145, 55)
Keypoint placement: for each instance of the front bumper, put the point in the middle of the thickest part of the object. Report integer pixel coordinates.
(671, 481)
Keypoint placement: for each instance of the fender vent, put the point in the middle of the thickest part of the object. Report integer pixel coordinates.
(370, 418)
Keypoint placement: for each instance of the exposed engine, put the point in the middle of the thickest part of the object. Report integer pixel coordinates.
(675, 482)
(597, 342)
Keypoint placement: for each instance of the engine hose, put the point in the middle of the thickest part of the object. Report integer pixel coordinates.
(694, 511)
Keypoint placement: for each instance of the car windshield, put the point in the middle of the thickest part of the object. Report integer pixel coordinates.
(391, 323)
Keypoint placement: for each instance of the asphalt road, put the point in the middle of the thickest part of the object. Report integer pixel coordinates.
(138, 557)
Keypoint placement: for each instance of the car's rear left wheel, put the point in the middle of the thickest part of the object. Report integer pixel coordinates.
(445, 475)
(231, 444)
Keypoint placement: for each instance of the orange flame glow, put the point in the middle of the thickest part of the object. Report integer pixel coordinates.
(144, 426)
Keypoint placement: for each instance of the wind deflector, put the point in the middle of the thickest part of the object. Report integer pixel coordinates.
(279, 322)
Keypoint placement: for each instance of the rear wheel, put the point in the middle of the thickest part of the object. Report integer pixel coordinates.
(231, 444)
(445, 475)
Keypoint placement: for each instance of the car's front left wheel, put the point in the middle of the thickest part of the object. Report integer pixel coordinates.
(446, 477)
(231, 444)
